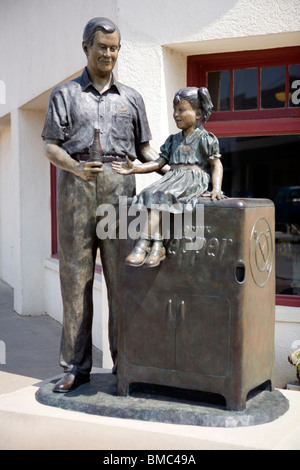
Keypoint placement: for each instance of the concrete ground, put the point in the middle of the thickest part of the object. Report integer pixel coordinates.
(31, 358)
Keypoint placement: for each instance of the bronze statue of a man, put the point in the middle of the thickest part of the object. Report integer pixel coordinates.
(94, 99)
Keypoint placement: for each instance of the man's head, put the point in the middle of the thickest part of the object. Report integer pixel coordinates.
(101, 44)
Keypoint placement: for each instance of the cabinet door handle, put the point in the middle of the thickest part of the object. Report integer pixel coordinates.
(182, 310)
(170, 309)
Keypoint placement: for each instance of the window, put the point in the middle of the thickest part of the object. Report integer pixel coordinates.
(256, 117)
(257, 92)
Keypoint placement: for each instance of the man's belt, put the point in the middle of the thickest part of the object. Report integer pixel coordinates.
(84, 157)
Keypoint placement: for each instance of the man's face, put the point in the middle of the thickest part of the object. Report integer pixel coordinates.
(103, 54)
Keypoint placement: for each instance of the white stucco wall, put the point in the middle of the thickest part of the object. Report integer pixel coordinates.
(7, 205)
(42, 47)
(192, 27)
(32, 229)
(42, 41)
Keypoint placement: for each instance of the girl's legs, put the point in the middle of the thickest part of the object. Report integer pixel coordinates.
(142, 245)
(156, 255)
(158, 252)
(150, 235)
(154, 224)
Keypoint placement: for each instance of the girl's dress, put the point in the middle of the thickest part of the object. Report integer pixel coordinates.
(179, 189)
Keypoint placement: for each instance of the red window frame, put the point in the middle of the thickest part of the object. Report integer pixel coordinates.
(249, 122)
(54, 246)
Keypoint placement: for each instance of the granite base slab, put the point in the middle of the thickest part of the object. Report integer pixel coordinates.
(163, 404)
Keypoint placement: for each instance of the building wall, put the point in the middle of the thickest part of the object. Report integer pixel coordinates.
(42, 41)
(7, 204)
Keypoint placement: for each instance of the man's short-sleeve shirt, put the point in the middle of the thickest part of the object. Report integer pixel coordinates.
(76, 108)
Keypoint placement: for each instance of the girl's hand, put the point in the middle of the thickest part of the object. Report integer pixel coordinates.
(123, 168)
(216, 194)
(216, 177)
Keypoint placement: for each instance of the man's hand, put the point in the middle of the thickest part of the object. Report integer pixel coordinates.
(88, 171)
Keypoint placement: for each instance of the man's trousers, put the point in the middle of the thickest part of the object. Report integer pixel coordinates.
(77, 203)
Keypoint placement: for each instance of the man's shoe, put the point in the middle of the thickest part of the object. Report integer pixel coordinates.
(156, 255)
(70, 382)
(139, 253)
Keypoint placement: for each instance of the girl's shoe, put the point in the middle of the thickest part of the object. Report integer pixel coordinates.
(139, 253)
(156, 255)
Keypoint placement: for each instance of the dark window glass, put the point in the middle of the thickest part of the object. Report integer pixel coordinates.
(294, 78)
(269, 167)
(273, 87)
(218, 84)
(245, 89)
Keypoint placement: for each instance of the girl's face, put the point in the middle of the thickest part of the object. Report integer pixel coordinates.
(186, 117)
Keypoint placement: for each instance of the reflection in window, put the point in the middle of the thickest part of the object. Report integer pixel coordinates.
(294, 73)
(218, 84)
(245, 89)
(268, 167)
(273, 87)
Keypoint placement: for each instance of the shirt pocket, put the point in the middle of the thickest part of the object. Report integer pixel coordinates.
(122, 128)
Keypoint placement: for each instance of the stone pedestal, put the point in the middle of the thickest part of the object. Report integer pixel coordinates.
(160, 405)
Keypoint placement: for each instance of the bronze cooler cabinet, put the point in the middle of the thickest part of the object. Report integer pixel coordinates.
(204, 320)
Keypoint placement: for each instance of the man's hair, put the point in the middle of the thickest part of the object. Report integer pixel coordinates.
(99, 24)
